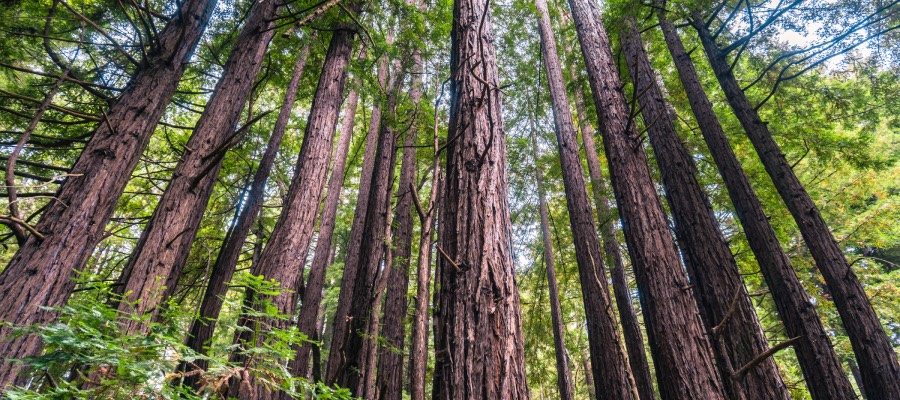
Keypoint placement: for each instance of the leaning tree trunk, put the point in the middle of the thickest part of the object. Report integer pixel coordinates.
(40, 274)
(682, 354)
(631, 327)
(312, 294)
(356, 355)
(874, 352)
(393, 334)
(163, 248)
(339, 333)
(611, 372)
(817, 359)
(284, 255)
(479, 349)
(226, 261)
(563, 372)
(418, 351)
(725, 305)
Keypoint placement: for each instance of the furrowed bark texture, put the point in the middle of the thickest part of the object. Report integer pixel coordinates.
(631, 327)
(40, 273)
(478, 340)
(312, 294)
(393, 334)
(563, 373)
(681, 352)
(284, 255)
(222, 271)
(611, 372)
(874, 352)
(362, 320)
(339, 334)
(724, 304)
(157, 260)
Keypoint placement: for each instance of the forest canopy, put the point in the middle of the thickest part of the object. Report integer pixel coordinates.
(454, 199)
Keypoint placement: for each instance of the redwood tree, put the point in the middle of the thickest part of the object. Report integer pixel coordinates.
(223, 269)
(163, 248)
(724, 303)
(682, 354)
(348, 279)
(285, 253)
(871, 345)
(479, 348)
(312, 294)
(611, 372)
(817, 359)
(40, 274)
(631, 327)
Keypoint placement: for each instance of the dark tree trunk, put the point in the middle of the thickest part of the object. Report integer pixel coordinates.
(724, 303)
(479, 349)
(357, 356)
(611, 372)
(418, 352)
(339, 333)
(819, 363)
(285, 253)
(682, 353)
(589, 379)
(563, 373)
(874, 353)
(222, 271)
(312, 295)
(631, 327)
(159, 256)
(40, 273)
(393, 334)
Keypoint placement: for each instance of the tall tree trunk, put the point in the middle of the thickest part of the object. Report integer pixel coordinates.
(589, 379)
(40, 273)
(724, 303)
(563, 373)
(479, 348)
(285, 253)
(160, 254)
(682, 353)
(339, 334)
(312, 295)
(393, 334)
(358, 358)
(631, 327)
(418, 352)
(874, 353)
(223, 269)
(819, 363)
(611, 372)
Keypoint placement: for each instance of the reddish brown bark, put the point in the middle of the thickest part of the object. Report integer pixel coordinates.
(356, 370)
(479, 348)
(418, 352)
(393, 334)
(563, 373)
(158, 258)
(611, 371)
(222, 271)
(631, 327)
(312, 294)
(681, 352)
(814, 353)
(40, 273)
(874, 352)
(284, 255)
(339, 334)
(725, 305)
